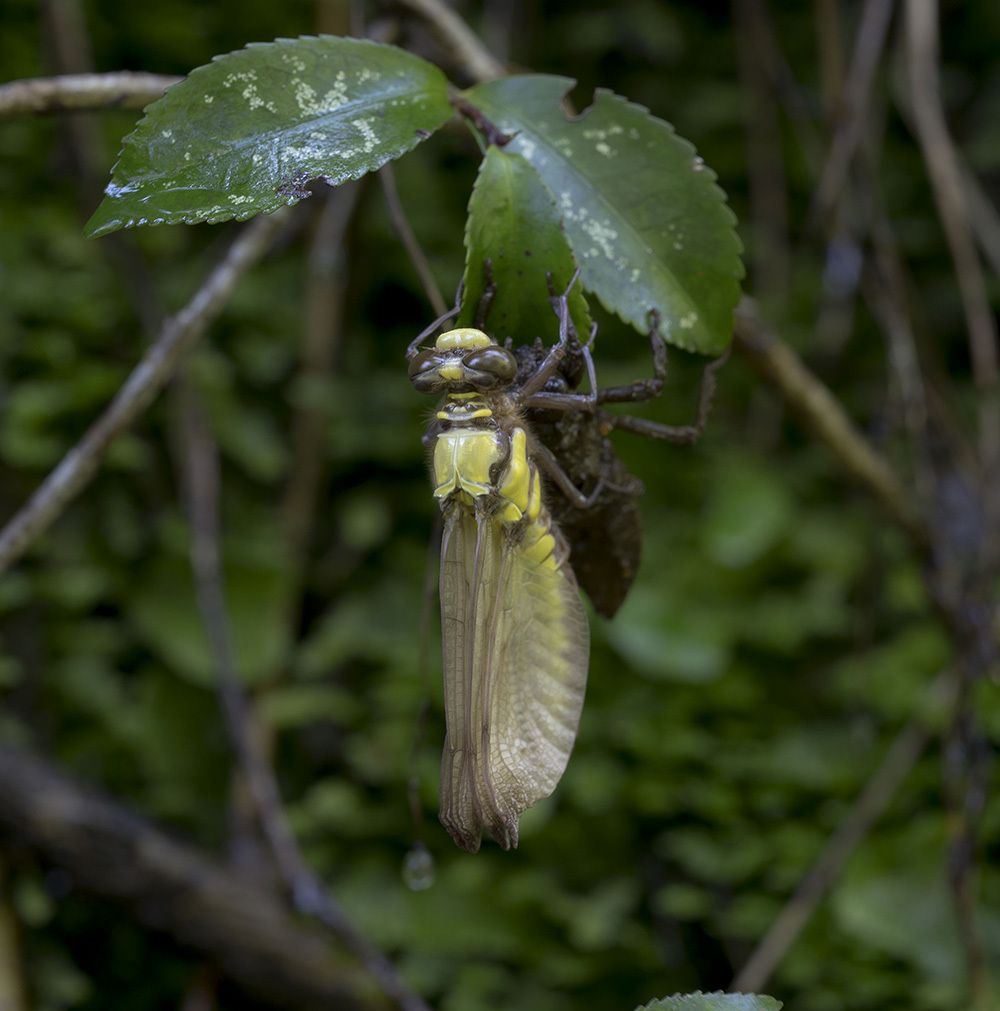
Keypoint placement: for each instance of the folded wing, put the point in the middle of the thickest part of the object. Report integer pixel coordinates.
(516, 648)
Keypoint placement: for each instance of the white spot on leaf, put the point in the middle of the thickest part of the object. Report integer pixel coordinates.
(603, 236)
(310, 105)
(370, 138)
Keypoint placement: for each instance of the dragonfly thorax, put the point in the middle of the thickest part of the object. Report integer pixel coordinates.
(465, 409)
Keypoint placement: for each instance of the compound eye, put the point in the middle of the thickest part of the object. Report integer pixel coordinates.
(423, 362)
(493, 360)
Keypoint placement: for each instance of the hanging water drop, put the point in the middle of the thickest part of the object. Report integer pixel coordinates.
(418, 868)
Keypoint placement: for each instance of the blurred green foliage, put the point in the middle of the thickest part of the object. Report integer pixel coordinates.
(777, 638)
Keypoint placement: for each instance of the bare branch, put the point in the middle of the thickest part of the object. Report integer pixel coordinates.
(159, 363)
(309, 894)
(470, 53)
(946, 182)
(324, 324)
(868, 47)
(765, 168)
(984, 220)
(174, 887)
(13, 993)
(780, 366)
(78, 92)
(399, 222)
(859, 821)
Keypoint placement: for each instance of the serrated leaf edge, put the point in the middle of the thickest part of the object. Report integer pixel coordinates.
(737, 244)
(555, 207)
(237, 214)
(700, 993)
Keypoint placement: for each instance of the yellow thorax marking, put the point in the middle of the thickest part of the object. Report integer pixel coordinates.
(464, 407)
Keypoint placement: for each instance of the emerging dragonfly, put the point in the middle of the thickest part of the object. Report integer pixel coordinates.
(516, 636)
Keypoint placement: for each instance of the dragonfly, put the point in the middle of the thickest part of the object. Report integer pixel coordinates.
(516, 638)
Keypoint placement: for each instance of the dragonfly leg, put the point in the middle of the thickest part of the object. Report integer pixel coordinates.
(560, 401)
(414, 345)
(545, 371)
(491, 288)
(682, 435)
(642, 389)
(548, 463)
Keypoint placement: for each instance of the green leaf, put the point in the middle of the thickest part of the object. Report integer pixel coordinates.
(644, 216)
(244, 134)
(513, 223)
(699, 1001)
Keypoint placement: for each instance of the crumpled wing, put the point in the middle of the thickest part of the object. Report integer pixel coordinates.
(516, 650)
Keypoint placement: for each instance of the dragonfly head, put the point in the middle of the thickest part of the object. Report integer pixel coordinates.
(463, 361)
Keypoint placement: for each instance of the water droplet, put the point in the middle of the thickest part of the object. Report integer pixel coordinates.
(418, 868)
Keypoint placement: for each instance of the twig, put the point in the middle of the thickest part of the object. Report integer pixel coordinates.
(178, 333)
(790, 94)
(469, 52)
(177, 888)
(399, 222)
(984, 220)
(13, 995)
(765, 167)
(780, 366)
(72, 48)
(860, 819)
(321, 340)
(71, 51)
(309, 894)
(885, 289)
(964, 794)
(830, 54)
(79, 92)
(946, 183)
(868, 46)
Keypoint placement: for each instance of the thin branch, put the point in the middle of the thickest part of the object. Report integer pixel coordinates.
(859, 821)
(309, 894)
(765, 166)
(790, 94)
(177, 888)
(829, 53)
(964, 775)
(868, 46)
(324, 326)
(402, 227)
(885, 288)
(13, 994)
(469, 52)
(946, 183)
(79, 92)
(808, 396)
(159, 363)
(984, 220)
